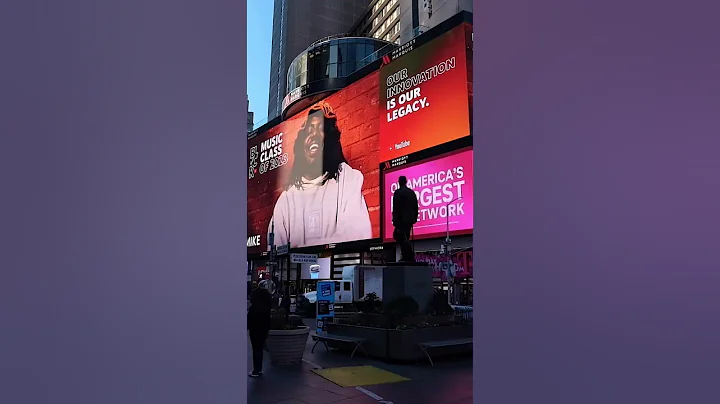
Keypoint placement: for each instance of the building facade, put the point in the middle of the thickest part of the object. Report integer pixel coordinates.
(325, 67)
(381, 21)
(296, 25)
(399, 21)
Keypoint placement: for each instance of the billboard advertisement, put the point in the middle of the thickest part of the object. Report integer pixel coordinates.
(424, 96)
(314, 179)
(325, 305)
(444, 189)
(461, 261)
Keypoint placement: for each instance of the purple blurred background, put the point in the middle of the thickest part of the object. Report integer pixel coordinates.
(123, 277)
(123, 202)
(597, 224)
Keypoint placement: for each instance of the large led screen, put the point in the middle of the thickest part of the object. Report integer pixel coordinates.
(315, 176)
(444, 189)
(424, 96)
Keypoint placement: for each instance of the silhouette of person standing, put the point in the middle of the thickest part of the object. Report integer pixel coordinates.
(258, 325)
(404, 216)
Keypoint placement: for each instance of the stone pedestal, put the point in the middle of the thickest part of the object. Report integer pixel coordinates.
(408, 279)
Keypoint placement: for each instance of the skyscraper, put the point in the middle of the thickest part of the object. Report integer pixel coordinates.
(382, 20)
(401, 20)
(296, 25)
(250, 117)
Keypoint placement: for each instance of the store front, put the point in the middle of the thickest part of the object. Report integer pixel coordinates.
(461, 252)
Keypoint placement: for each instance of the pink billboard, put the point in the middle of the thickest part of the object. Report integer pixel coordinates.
(444, 188)
(462, 263)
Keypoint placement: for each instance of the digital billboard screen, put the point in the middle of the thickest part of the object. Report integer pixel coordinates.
(316, 175)
(444, 189)
(424, 96)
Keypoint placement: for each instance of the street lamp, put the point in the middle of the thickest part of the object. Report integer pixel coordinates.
(271, 263)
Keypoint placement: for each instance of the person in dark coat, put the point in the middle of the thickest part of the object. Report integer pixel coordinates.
(404, 216)
(258, 324)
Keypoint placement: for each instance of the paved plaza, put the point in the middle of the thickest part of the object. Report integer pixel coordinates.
(449, 382)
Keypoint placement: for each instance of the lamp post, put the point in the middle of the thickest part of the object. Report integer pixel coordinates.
(445, 249)
(271, 264)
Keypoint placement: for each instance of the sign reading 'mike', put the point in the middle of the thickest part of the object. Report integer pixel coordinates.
(424, 96)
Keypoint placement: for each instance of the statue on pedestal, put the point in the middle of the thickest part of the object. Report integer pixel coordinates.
(404, 216)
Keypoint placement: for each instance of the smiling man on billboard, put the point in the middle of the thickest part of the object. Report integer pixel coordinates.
(323, 201)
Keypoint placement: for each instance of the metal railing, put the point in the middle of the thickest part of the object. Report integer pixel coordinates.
(327, 38)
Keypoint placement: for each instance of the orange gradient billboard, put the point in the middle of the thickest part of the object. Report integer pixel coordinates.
(424, 96)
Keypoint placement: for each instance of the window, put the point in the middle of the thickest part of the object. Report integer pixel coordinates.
(379, 4)
(321, 62)
(360, 51)
(343, 52)
(334, 53)
(395, 29)
(395, 14)
(332, 70)
(384, 26)
(389, 6)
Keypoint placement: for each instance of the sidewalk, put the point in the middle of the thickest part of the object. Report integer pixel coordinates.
(298, 385)
(449, 382)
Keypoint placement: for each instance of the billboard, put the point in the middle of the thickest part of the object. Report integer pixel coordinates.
(424, 96)
(461, 261)
(444, 188)
(315, 176)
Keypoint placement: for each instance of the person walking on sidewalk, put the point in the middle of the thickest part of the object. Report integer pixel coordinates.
(258, 323)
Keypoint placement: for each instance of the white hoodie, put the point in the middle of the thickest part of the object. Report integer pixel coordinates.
(320, 214)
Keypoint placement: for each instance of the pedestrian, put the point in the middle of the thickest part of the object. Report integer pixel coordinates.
(258, 323)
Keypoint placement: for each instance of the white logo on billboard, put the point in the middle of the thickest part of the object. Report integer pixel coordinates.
(253, 241)
(253, 162)
(269, 157)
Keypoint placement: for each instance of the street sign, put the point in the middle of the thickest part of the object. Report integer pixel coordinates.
(283, 249)
(303, 258)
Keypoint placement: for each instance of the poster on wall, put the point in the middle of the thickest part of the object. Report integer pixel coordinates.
(424, 98)
(444, 188)
(314, 177)
(325, 304)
